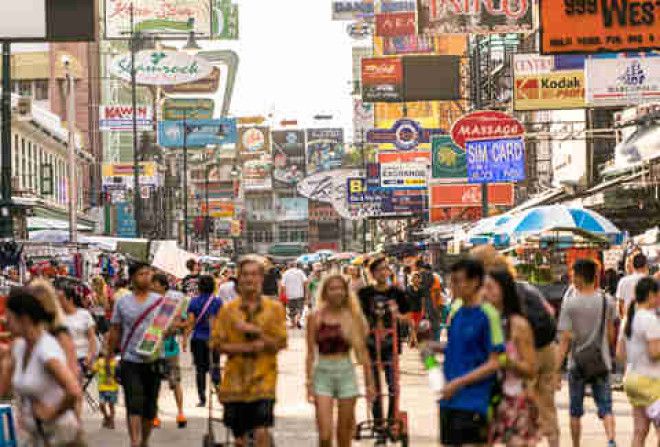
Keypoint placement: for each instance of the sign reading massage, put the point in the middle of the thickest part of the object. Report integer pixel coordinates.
(161, 67)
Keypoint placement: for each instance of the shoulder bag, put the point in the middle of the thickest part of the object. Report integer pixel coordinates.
(589, 358)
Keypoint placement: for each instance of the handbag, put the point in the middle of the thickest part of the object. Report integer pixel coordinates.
(589, 359)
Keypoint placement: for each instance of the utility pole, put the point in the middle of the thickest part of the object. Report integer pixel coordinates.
(185, 181)
(478, 102)
(6, 222)
(73, 184)
(365, 220)
(137, 204)
(207, 220)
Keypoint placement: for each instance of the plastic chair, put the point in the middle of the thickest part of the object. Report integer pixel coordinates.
(7, 431)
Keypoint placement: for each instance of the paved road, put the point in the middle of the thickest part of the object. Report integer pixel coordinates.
(295, 418)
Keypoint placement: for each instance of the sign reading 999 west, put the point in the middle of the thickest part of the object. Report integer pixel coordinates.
(594, 26)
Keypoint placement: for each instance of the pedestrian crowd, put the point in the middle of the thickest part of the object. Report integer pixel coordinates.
(503, 348)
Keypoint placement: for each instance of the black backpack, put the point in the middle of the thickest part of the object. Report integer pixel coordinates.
(542, 322)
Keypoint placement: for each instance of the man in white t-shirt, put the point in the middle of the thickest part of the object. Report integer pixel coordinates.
(625, 291)
(293, 285)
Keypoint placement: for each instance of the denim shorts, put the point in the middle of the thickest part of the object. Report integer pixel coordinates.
(108, 397)
(335, 378)
(600, 389)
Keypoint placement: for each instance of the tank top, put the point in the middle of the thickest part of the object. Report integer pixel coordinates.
(330, 339)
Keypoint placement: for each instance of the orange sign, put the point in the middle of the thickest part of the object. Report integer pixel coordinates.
(219, 208)
(467, 195)
(593, 26)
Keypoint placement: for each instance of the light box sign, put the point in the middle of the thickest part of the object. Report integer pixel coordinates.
(189, 108)
(293, 209)
(161, 67)
(616, 80)
(199, 133)
(119, 118)
(496, 161)
(405, 134)
(403, 175)
(478, 17)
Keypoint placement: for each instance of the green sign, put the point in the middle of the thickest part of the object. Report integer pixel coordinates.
(224, 20)
(448, 159)
(175, 109)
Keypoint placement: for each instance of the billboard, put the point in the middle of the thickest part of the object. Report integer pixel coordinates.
(218, 208)
(421, 44)
(393, 24)
(405, 134)
(382, 79)
(548, 82)
(598, 26)
(161, 67)
(253, 142)
(429, 78)
(175, 109)
(126, 226)
(466, 195)
(325, 149)
(207, 84)
(224, 20)
(121, 174)
(48, 20)
(446, 17)
(496, 161)
(288, 157)
(448, 160)
(293, 209)
(363, 202)
(257, 174)
(406, 175)
(161, 17)
(352, 9)
(119, 118)
(197, 133)
(616, 80)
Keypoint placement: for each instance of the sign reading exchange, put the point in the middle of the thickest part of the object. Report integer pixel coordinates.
(161, 67)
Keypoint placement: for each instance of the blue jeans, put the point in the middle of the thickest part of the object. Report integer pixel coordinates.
(600, 389)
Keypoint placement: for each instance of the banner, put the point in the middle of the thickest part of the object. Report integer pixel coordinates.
(119, 118)
(288, 157)
(325, 149)
(224, 20)
(292, 209)
(448, 160)
(125, 221)
(421, 44)
(393, 24)
(161, 67)
(598, 26)
(465, 195)
(382, 79)
(218, 208)
(121, 174)
(175, 109)
(496, 161)
(548, 82)
(198, 133)
(616, 80)
(446, 17)
(257, 174)
(352, 9)
(158, 17)
(253, 142)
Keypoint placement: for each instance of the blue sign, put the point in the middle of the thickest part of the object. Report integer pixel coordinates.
(495, 161)
(198, 133)
(125, 221)
(405, 134)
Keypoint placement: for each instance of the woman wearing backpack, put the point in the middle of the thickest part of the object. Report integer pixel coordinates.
(640, 343)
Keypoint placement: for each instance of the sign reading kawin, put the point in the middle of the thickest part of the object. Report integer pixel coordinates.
(120, 118)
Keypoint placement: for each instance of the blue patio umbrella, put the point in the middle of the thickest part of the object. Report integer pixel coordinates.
(308, 258)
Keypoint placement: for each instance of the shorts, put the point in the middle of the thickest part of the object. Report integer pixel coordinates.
(108, 397)
(141, 384)
(458, 427)
(335, 378)
(416, 317)
(243, 417)
(600, 390)
(173, 371)
(295, 306)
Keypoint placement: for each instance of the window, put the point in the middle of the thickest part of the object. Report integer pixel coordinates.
(41, 90)
(23, 167)
(25, 88)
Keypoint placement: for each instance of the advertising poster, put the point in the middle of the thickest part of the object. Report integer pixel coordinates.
(548, 82)
(161, 67)
(253, 142)
(257, 174)
(448, 160)
(125, 221)
(465, 195)
(122, 174)
(445, 17)
(219, 208)
(394, 24)
(619, 80)
(293, 209)
(288, 157)
(496, 161)
(382, 79)
(175, 109)
(363, 118)
(197, 133)
(325, 149)
(598, 26)
(160, 17)
(119, 118)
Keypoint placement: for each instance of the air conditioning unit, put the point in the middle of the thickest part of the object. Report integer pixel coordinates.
(23, 109)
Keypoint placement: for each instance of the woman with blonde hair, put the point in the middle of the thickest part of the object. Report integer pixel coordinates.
(334, 328)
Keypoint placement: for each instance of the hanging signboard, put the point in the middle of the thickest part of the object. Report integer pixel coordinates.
(382, 79)
(397, 6)
(169, 18)
(219, 208)
(594, 27)
(496, 161)
(548, 82)
(224, 20)
(464, 195)
(325, 149)
(175, 109)
(121, 174)
(288, 157)
(253, 142)
(119, 118)
(619, 80)
(161, 67)
(352, 9)
(200, 133)
(432, 78)
(405, 134)
(448, 160)
(444, 17)
(392, 24)
(403, 175)
(257, 174)
(485, 124)
(208, 84)
(290, 209)
(125, 221)
(363, 202)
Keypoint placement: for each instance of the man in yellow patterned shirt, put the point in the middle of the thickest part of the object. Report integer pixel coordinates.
(250, 330)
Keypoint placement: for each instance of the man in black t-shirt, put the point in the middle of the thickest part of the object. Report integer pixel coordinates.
(382, 302)
(189, 283)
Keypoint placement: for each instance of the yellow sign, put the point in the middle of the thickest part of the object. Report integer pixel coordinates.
(549, 91)
(355, 186)
(147, 169)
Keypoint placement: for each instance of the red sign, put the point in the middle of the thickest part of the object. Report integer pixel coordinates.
(382, 79)
(394, 24)
(404, 157)
(466, 195)
(485, 124)
(451, 214)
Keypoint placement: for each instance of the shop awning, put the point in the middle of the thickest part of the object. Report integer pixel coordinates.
(43, 223)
